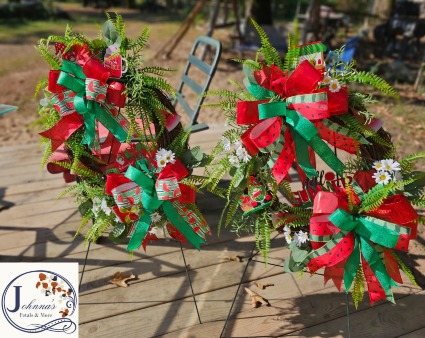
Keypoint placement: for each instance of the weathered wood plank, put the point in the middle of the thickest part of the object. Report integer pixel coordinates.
(48, 220)
(36, 208)
(205, 279)
(290, 317)
(30, 197)
(175, 315)
(383, 320)
(19, 189)
(37, 176)
(157, 266)
(18, 237)
(415, 334)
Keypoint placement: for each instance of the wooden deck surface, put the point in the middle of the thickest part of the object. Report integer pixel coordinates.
(36, 226)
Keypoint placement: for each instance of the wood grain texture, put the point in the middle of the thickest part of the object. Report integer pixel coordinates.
(159, 303)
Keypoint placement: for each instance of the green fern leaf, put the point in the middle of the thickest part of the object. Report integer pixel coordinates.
(358, 290)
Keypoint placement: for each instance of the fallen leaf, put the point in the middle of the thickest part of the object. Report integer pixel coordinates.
(263, 286)
(232, 258)
(256, 299)
(120, 279)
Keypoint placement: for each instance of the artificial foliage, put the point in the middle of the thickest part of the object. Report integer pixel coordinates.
(110, 127)
(349, 216)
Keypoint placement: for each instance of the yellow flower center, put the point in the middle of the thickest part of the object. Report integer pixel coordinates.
(382, 177)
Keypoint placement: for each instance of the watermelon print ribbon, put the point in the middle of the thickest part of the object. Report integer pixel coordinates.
(342, 242)
(284, 128)
(191, 227)
(89, 84)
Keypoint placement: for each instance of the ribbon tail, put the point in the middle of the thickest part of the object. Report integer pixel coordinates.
(336, 273)
(326, 154)
(392, 266)
(303, 156)
(60, 132)
(89, 136)
(113, 124)
(181, 225)
(142, 227)
(331, 253)
(378, 268)
(351, 266)
(337, 136)
(282, 156)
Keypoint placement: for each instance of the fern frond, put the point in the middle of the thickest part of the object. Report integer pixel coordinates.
(420, 202)
(51, 59)
(375, 81)
(404, 268)
(406, 164)
(358, 290)
(271, 55)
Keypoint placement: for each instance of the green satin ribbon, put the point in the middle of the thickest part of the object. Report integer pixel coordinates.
(305, 134)
(366, 229)
(73, 78)
(146, 180)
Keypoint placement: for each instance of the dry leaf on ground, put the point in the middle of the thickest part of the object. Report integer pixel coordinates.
(232, 258)
(256, 298)
(262, 286)
(120, 279)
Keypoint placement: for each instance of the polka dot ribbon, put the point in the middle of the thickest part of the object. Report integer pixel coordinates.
(340, 237)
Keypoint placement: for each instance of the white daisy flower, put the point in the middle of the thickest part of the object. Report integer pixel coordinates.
(327, 79)
(334, 86)
(107, 210)
(243, 154)
(378, 165)
(161, 162)
(286, 229)
(301, 237)
(237, 144)
(382, 177)
(155, 217)
(288, 238)
(161, 153)
(234, 161)
(391, 165)
(96, 206)
(170, 157)
(226, 143)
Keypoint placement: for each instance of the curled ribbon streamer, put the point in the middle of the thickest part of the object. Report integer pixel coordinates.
(339, 237)
(151, 203)
(90, 97)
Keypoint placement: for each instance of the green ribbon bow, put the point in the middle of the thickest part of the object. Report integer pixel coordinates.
(366, 229)
(73, 78)
(304, 133)
(146, 180)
